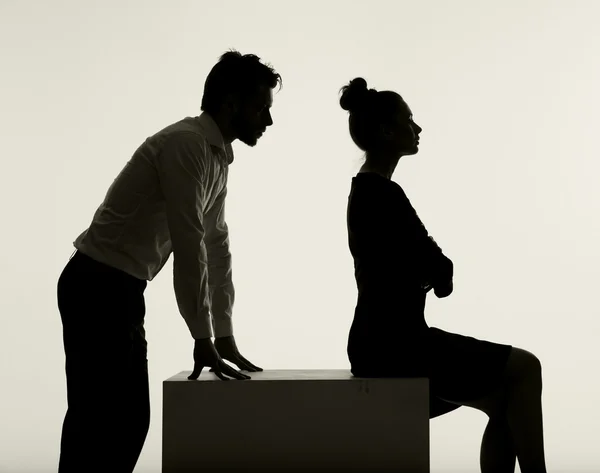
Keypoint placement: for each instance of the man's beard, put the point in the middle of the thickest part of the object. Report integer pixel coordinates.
(243, 133)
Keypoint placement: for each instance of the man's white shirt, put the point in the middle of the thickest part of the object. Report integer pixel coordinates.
(170, 198)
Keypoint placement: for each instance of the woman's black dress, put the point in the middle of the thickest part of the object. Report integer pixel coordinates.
(395, 262)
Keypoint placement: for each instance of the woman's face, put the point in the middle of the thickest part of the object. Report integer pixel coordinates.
(403, 134)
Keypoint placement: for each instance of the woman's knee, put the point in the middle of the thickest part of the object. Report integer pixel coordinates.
(523, 365)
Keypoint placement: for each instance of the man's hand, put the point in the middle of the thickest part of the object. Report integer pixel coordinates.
(228, 350)
(205, 354)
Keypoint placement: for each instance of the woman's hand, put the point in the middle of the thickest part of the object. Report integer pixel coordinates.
(441, 280)
(444, 290)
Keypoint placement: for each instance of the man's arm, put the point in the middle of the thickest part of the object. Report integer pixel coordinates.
(180, 169)
(221, 286)
(222, 293)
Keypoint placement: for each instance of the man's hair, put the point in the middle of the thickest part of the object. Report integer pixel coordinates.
(239, 75)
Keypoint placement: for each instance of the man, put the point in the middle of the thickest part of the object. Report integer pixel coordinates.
(169, 198)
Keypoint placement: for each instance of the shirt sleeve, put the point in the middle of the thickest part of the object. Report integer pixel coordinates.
(181, 167)
(222, 293)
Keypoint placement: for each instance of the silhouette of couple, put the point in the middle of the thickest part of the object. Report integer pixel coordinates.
(170, 198)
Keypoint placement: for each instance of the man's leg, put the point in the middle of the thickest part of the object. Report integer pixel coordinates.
(70, 438)
(137, 405)
(107, 379)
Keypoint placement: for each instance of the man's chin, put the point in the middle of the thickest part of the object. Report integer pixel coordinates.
(248, 140)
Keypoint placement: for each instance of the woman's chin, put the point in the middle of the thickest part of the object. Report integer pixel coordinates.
(413, 150)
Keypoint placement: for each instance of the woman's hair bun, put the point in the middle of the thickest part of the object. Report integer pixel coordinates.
(354, 94)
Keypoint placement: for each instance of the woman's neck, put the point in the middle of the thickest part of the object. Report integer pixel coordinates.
(382, 163)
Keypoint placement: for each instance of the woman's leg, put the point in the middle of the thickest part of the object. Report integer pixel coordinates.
(438, 407)
(497, 449)
(516, 403)
(524, 412)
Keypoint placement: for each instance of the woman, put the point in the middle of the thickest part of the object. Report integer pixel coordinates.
(396, 264)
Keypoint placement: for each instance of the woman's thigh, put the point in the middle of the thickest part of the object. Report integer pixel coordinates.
(493, 403)
(521, 365)
(438, 407)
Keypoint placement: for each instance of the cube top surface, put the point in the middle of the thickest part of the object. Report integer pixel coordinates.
(279, 375)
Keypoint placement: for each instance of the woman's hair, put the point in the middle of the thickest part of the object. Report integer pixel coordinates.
(237, 74)
(369, 109)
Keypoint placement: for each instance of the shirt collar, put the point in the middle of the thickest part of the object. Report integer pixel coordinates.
(214, 136)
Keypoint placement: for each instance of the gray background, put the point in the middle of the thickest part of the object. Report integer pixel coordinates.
(506, 181)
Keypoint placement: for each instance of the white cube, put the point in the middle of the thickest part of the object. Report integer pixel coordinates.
(303, 420)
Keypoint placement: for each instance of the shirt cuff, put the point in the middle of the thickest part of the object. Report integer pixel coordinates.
(200, 328)
(222, 327)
